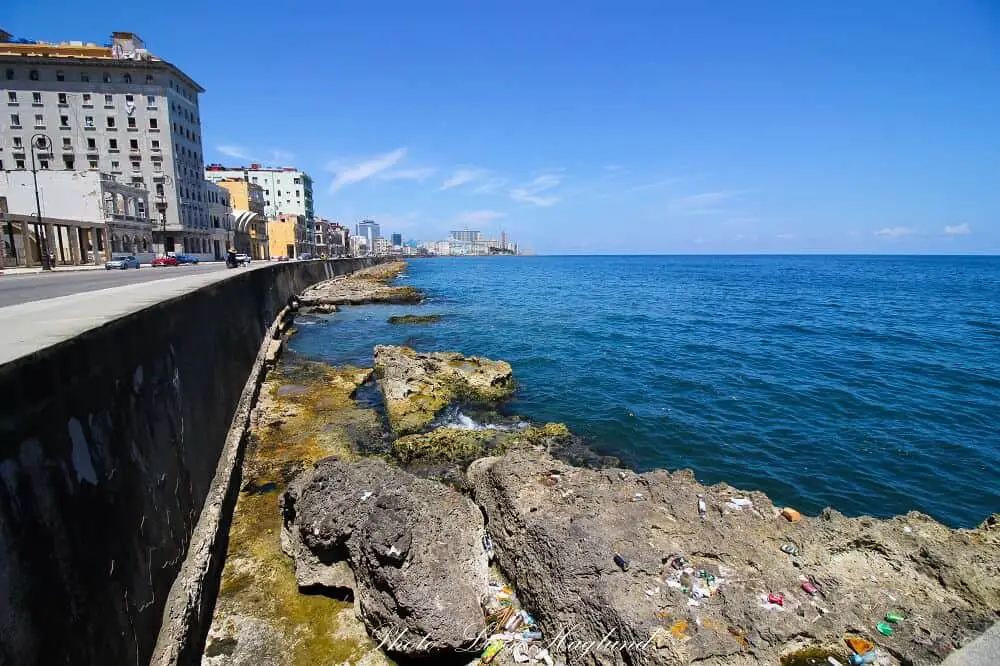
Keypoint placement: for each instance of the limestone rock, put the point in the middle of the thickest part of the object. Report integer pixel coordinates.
(415, 547)
(370, 285)
(417, 386)
(556, 530)
(451, 444)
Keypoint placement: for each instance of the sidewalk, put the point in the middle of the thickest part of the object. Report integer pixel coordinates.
(20, 270)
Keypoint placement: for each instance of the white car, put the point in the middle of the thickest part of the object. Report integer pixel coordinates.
(243, 259)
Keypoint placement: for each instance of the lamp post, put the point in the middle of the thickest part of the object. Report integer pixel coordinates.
(161, 207)
(40, 141)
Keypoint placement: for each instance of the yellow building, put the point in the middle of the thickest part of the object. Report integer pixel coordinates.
(286, 235)
(249, 224)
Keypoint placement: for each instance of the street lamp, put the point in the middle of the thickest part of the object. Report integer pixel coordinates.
(161, 207)
(40, 142)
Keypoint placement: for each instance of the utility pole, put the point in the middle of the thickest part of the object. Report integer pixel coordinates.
(40, 142)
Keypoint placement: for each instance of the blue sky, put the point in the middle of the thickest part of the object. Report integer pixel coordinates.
(604, 127)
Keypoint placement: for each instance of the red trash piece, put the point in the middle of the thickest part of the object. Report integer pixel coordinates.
(776, 598)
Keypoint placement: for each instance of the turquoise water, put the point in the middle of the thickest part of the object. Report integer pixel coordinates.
(869, 384)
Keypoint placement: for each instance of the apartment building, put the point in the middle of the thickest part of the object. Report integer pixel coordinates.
(117, 109)
(287, 191)
(249, 223)
(220, 215)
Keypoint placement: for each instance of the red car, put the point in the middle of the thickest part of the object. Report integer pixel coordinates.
(166, 261)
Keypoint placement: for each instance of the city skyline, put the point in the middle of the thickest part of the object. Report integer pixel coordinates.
(820, 130)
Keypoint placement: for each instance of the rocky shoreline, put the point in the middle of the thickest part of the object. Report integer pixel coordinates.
(371, 528)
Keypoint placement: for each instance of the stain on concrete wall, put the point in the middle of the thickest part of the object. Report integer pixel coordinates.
(108, 445)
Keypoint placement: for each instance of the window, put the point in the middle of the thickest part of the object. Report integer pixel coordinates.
(63, 121)
(159, 189)
(43, 164)
(60, 76)
(131, 122)
(92, 164)
(149, 78)
(10, 75)
(111, 122)
(112, 144)
(89, 121)
(253, 179)
(12, 97)
(129, 98)
(33, 75)
(36, 98)
(267, 191)
(150, 100)
(128, 78)
(133, 144)
(297, 193)
(115, 165)
(18, 164)
(62, 98)
(68, 162)
(17, 142)
(85, 77)
(67, 142)
(106, 77)
(279, 193)
(86, 100)
(91, 143)
(109, 100)
(136, 165)
(298, 181)
(155, 144)
(39, 120)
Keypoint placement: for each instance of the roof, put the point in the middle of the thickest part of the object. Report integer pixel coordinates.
(80, 53)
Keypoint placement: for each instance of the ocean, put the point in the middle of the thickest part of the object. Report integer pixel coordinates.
(870, 384)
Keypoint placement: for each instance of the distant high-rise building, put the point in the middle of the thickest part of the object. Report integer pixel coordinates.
(397, 240)
(369, 230)
(466, 236)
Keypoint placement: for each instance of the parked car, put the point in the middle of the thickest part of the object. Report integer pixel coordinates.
(166, 261)
(282, 258)
(186, 258)
(243, 258)
(121, 262)
(306, 256)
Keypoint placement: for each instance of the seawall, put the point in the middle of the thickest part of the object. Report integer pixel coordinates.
(109, 443)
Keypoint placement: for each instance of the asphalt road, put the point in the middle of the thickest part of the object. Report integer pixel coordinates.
(16, 289)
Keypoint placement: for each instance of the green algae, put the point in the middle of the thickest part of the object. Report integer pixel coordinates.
(415, 319)
(443, 444)
(296, 429)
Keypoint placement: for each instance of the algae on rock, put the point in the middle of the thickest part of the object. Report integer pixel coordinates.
(417, 386)
(415, 319)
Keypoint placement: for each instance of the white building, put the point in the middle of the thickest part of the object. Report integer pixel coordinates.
(119, 110)
(357, 245)
(86, 216)
(220, 215)
(382, 246)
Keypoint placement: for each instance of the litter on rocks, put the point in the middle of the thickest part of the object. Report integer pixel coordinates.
(894, 617)
(870, 657)
(739, 503)
(791, 514)
(488, 547)
(511, 625)
(702, 509)
(367, 496)
(884, 628)
(859, 645)
(776, 598)
(790, 548)
(809, 588)
(621, 562)
(638, 497)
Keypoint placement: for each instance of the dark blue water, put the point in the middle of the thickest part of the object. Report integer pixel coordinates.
(869, 384)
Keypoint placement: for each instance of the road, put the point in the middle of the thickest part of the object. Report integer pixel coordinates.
(17, 289)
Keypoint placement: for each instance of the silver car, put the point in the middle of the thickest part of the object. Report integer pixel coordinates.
(121, 262)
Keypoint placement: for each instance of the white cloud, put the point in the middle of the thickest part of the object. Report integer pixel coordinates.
(480, 216)
(462, 177)
(274, 156)
(532, 192)
(958, 230)
(490, 186)
(238, 152)
(895, 232)
(365, 169)
(704, 199)
(422, 173)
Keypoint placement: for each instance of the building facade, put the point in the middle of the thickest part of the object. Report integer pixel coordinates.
(220, 216)
(249, 221)
(397, 240)
(357, 246)
(115, 109)
(286, 190)
(286, 234)
(86, 216)
(369, 230)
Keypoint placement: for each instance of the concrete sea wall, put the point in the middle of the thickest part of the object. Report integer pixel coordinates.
(109, 443)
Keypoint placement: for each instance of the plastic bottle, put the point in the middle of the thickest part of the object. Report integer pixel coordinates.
(790, 548)
(621, 562)
(884, 629)
(866, 658)
(894, 617)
